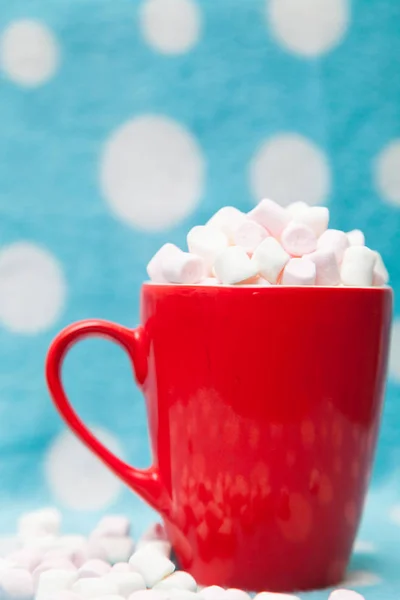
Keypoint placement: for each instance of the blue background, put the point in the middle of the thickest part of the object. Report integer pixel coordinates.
(234, 89)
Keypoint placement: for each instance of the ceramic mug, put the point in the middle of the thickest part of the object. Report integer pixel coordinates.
(263, 407)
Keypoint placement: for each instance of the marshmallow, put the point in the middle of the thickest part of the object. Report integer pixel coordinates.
(207, 242)
(249, 235)
(227, 220)
(161, 546)
(62, 564)
(154, 268)
(183, 267)
(113, 526)
(314, 217)
(149, 595)
(356, 238)
(152, 565)
(299, 271)
(94, 568)
(234, 594)
(126, 583)
(180, 580)
(271, 216)
(213, 592)
(121, 567)
(297, 208)
(333, 239)
(209, 281)
(54, 580)
(26, 558)
(358, 266)
(111, 597)
(16, 584)
(234, 266)
(326, 267)
(45, 521)
(269, 259)
(156, 531)
(345, 595)
(95, 587)
(116, 549)
(381, 276)
(65, 595)
(273, 596)
(298, 239)
(262, 282)
(182, 595)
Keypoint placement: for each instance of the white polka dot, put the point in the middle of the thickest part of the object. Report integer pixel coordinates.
(171, 26)
(361, 579)
(394, 356)
(394, 514)
(308, 27)
(29, 52)
(32, 288)
(387, 172)
(152, 172)
(364, 547)
(287, 168)
(76, 477)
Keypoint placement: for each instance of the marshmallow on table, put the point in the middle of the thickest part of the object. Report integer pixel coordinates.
(149, 595)
(227, 220)
(271, 216)
(26, 558)
(336, 240)
(356, 238)
(273, 596)
(381, 276)
(52, 563)
(235, 594)
(121, 567)
(111, 597)
(54, 580)
(16, 584)
(298, 239)
(299, 271)
(314, 217)
(345, 595)
(181, 595)
(116, 549)
(358, 266)
(45, 521)
(213, 592)
(152, 565)
(326, 267)
(234, 266)
(180, 580)
(94, 567)
(161, 546)
(269, 259)
(65, 595)
(207, 242)
(295, 209)
(249, 235)
(113, 526)
(126, 583)
(94, 587)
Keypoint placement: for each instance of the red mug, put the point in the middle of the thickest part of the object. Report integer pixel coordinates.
(263, 407)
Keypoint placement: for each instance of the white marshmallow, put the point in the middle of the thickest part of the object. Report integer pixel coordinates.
(336, 240)
(49, 564)
(113, 526)
(65, 595)
(270, 215)
(149, 595)
(8, 544)
(26, 558)
(235, 594)
(358, 266)
(207, 242)
(381, 275)
(299, 271)
(234, 266)
(16, 584)
(262, 282)
(249, 235)
(180, 580)
(298, 239)
(126, 583)
(111, 597)
(269, 259)
(121, 567)
(356, 238)
(326, 267)
(55, 580)
(167, 252)
(183, 267)
(94, 568)
(213, 592)
(45, 521)
(274, 596)
(156, 531)
(227, 219)
(116, 549)
(161, 546)
(95, 587)
(297, 208)
(209, 281)
(152, 565)
(73, 547)
(315, 217)
(181, 595)
(345, 595)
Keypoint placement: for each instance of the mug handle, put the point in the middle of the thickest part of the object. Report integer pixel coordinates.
(145, 482)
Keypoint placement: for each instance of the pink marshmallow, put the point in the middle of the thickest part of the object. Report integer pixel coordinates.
(336, 240)
(16, 584)
(94, 568)
(249, 235)
(327, 269)
(299, 271)
(271, 216)
(298, 239)
(114, 526)
(345, 595)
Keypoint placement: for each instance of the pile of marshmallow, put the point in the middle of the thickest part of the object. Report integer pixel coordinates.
(270, 245)
(43, 564)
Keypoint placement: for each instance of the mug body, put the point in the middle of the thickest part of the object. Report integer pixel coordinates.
(264, 406)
